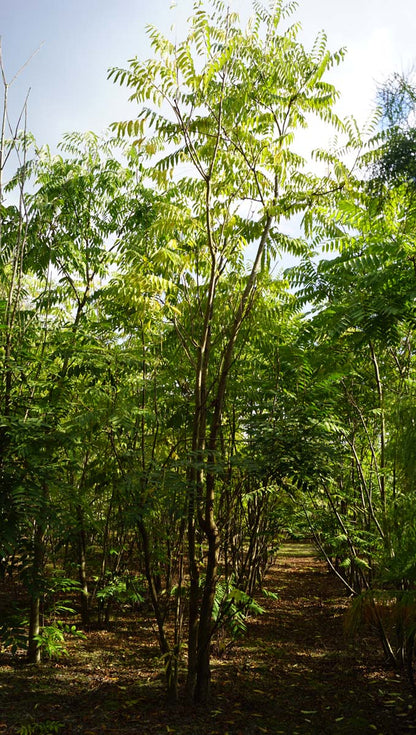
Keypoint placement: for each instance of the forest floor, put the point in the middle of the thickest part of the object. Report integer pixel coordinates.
(294, 672)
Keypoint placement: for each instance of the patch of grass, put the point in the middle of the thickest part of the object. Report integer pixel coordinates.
(297, 549)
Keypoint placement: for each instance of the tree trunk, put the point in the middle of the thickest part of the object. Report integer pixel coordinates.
(203, 672)
(202, 489)
(170, 655)
(82, 570)
(193, 611)
(34, 649)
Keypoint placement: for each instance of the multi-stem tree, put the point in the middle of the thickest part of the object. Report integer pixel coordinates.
(222, 149)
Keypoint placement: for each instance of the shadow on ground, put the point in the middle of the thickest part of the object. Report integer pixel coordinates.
(294, 673)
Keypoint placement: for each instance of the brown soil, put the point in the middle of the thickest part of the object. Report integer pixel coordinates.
(293, 672)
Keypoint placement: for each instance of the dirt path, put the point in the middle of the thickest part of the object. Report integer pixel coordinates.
(304, 675)
(293, 673)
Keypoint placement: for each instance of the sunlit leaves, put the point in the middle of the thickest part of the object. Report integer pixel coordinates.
(235, 98)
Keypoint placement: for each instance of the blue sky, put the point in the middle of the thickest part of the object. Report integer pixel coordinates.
(83, 38)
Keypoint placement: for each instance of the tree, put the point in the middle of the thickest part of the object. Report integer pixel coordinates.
(363, 311)
(74, 219)
(222, 151)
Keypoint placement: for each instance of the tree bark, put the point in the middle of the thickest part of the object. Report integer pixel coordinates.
(34, 649)
(82, 570)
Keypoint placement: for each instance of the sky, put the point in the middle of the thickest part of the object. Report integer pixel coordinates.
(78, 40)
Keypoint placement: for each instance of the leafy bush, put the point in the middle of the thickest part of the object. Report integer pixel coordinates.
(232, 607)
(13, 631)
(124, 589)
(52, 638)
